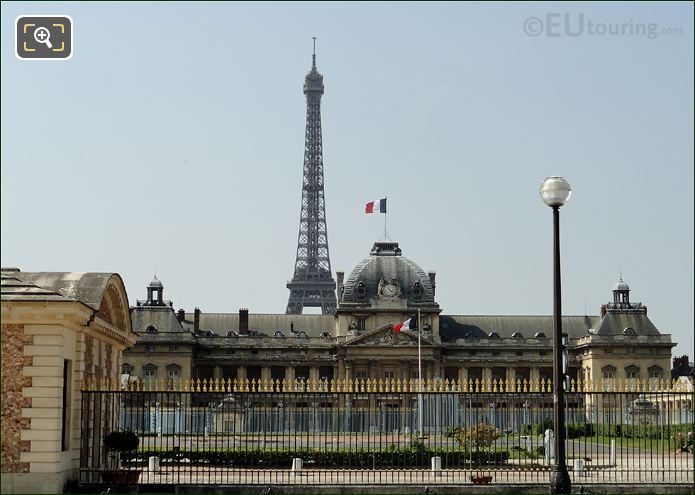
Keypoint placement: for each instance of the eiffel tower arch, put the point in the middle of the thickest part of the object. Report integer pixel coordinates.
(312, 284)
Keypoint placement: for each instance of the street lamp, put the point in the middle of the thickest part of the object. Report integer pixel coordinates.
(555, 192)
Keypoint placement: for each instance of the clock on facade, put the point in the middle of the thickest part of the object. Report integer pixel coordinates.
(390, 290)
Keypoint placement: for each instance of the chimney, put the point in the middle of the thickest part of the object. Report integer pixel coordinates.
(181, 315)
(196, 319)
(603, 310)
(340, 276)
(680, 361)
(243, 321)
(432, 276)
(644, 307)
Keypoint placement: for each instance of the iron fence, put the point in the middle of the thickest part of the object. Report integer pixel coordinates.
(374, 437)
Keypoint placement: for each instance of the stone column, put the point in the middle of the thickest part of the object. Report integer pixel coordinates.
(373, 411)
(339, 374)
(405, 397)
(216, 373)
(437, 369)
(510, 379)
(349, 371)
(265, 373)
(314, 374)
(427, 372)
(240, 375)
(534, 378)
(463, 378)
(487, 378)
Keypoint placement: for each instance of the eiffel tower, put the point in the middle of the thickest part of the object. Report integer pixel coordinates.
(312, 284)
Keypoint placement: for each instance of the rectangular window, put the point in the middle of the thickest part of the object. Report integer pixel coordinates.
(361, 324)
(173, 374)
(654, 374)
(362, 375)
(632, 374)
(389, 374)
(607, 374)
(65, 433)
(149, 348)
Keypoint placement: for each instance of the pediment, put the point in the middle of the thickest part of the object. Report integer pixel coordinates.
(385, 336)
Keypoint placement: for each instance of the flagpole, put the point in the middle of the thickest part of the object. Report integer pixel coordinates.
(419, 374)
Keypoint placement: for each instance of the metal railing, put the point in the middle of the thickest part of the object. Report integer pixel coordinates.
(373, 434)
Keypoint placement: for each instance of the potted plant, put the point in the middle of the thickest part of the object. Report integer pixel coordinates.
(116, 443)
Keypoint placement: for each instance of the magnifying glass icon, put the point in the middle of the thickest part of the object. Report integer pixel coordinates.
(43, 35)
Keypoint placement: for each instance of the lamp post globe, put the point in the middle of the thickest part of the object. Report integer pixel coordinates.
(555, 191)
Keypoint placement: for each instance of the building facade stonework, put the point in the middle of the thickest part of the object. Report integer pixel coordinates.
(60, 331)
(358, 340)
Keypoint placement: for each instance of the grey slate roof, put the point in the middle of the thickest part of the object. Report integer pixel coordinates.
(87, 288)
(161, 317)
(372, 269)
(616, 322)
(221, 323)
(457, 326)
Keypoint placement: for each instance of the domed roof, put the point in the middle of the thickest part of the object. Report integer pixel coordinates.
(385, 264)
(155, 283)
(621, 285)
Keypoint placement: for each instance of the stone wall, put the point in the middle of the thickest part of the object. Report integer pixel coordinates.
(13, 383)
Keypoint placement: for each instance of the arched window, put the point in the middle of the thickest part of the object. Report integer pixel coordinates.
(494, 335)
(302, 335)
(517, 335)
(629, 331)
(326, 335)
(540, 335)
(279, 334)
(127, 369)
(151, 329)
(232, 334)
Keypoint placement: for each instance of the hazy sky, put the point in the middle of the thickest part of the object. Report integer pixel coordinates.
(174, 137)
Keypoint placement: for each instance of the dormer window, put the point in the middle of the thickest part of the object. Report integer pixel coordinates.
(232, 334)
(494, 335)
(517, 335)
(151, 329)
(279, 335)
(629, 331)
(302, 335)
(325, 335)
(540, 335)
(632, 371)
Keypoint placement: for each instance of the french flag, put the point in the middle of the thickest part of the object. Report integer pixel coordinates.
(403, 326)
(378, 206)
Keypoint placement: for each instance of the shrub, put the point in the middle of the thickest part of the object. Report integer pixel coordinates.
(576, 430)
(480, 436)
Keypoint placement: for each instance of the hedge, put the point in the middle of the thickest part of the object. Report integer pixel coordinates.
(398, 458)
(653, 432)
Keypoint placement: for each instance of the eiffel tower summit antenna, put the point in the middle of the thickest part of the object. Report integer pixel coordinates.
(312, 284)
